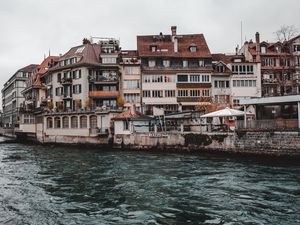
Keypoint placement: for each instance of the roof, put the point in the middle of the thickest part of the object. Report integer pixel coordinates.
(87, 54)
(129, 53)
(270, 49)
(30, 68)
(165, 46)
(46, 64)
(132, 114)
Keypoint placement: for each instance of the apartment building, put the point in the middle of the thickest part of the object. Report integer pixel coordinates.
(130, 87)
(12, 97)
(294, 47)
(87, 76)
(176, 71)
(276, 65)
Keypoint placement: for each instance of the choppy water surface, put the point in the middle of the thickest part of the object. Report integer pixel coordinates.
(56, 185)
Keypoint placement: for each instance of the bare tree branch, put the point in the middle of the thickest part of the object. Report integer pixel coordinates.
(285, 33)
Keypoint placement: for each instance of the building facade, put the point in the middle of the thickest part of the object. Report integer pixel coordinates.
(176, 71)
(12, 97)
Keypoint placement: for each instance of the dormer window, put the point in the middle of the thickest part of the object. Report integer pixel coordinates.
(278, 49)
(263, 49)
(193, 48)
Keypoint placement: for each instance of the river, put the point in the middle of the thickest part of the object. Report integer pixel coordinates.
(68, 185)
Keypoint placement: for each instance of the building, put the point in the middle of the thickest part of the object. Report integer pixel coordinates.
(35, 102)
(12, 97)
(86, 77)
(276, 65)
(176, 71)
(234, 79)
(131, 79)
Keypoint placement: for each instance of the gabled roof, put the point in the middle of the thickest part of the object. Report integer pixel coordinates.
(165, 46)
(30, 68)
(88, 54)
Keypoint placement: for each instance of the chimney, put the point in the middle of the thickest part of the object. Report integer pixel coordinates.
(173, 29)
(257, 40)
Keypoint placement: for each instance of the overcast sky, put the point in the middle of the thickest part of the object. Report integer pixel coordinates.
(28, 29)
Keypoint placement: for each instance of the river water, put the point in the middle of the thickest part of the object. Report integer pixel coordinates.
(58, 185)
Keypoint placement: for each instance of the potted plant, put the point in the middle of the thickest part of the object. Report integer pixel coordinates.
(88, 104)
(78, 105)
(60, 106)
(120, 102)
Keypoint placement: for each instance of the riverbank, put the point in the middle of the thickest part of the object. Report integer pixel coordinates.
(262, 143)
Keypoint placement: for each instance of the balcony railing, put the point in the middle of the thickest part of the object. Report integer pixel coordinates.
(66, 81)
(275, 124)
(103, 94)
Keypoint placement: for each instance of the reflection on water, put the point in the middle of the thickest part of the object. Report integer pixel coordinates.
(56, 185)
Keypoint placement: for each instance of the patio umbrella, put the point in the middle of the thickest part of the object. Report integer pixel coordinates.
(224, 113)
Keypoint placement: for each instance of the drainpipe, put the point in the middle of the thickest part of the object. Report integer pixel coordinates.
(245, 117)
(299, 115)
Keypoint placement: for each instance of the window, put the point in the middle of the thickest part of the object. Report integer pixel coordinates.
(28, 119)
(153, 48)
(244, 83)
(74, 122)
(146, 79)
(195, 78)
(157, 94)
(157, 78)
(79, 50)
(65, 122)
(59, 91)
(185, 63)
(93, 122)
(125, 125)
(236, 102)
(193, 49)
(222, 99)
(56, 122)
(83, 122)
(77, 89)
(59, 77)
(147, 94)
(169, 93)
(201, 63)
(263, 49)
(194, 93)
(76, 74)
(132, 97)
(131, 84)
(49, 122)
(268, 62)
(132, 70)
(151, 63)
(182, 78)
(166, 63)
(205, 78)
(205, 93)
(242, 69)
(182, 93)
(109, 60)
(221, 83)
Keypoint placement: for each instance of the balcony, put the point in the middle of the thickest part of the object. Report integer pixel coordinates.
(66, 81)
(270, 81)
(103, 94)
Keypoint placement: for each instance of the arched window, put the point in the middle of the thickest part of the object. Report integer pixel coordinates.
(93, 122)
(49, 122)
(65, 122)
(74, 122)
(83, 122)
(57, 122)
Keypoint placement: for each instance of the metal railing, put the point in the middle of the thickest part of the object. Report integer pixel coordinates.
(275, 124)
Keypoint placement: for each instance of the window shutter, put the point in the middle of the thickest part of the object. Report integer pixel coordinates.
(79, 88)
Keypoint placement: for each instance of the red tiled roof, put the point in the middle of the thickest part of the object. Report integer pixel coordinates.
(46, 64)
(165, 46)
(29, 68)
(129, 53)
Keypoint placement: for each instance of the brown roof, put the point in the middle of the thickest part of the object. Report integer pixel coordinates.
(165, 46)
(88, 56)
(46, 64)
(29, 68)
(129, 53)
(131, 115)
(270, 49)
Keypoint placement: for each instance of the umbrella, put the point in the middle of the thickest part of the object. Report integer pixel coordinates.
(224, 112)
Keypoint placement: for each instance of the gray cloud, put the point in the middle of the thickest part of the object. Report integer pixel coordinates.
(30, 28)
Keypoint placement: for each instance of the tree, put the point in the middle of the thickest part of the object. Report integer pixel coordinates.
(285, 33)
(120, 101)
(88, 103)
(86, 41)
(78, 104)
(50, 105)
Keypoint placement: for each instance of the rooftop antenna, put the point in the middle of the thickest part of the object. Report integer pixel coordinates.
(49, 51)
